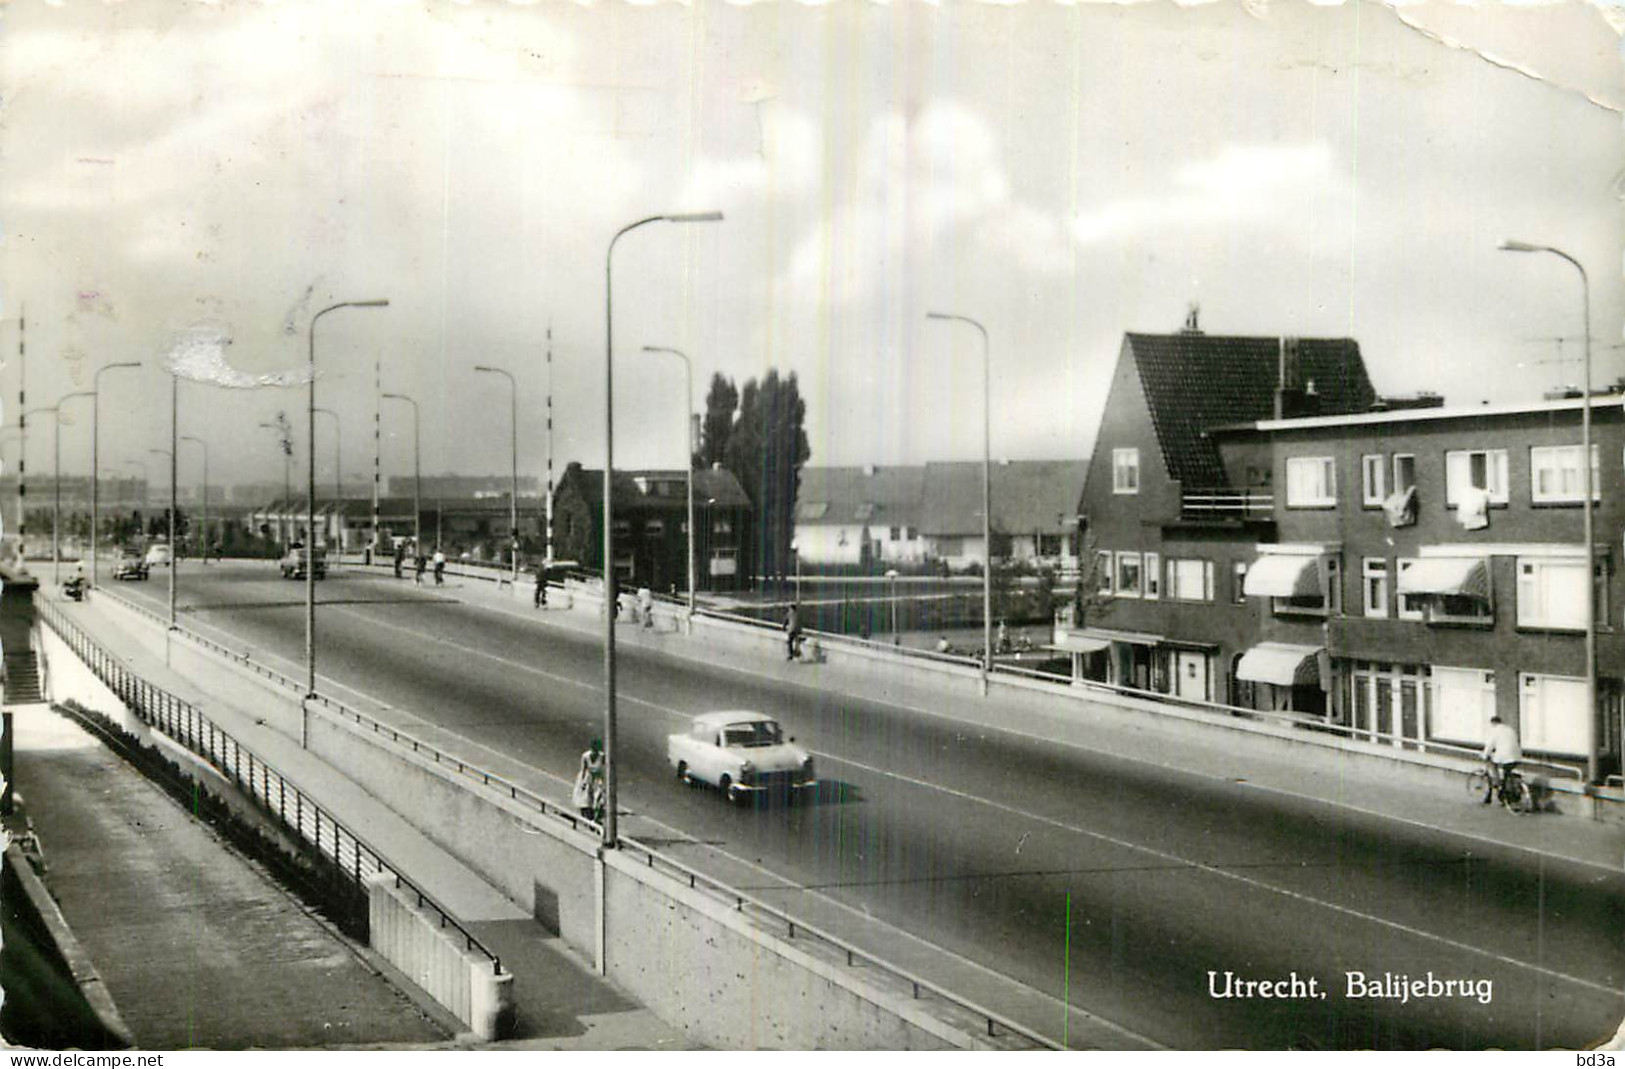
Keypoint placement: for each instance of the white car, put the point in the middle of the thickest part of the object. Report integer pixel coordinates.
(159, 555)
(742, 754)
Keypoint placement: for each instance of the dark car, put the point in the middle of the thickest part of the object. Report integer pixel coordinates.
(293, 564)
(130, 566)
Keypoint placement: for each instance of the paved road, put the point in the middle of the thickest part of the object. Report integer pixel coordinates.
(1115, 886)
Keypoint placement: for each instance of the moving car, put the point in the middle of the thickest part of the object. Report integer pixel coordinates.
(293, 563)
(742, 754)
(130, 566)
(159, 555)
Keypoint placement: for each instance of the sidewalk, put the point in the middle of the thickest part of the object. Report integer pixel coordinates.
(561, 1002)
(1314, 774)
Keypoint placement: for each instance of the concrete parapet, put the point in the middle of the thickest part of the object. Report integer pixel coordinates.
(410, 937)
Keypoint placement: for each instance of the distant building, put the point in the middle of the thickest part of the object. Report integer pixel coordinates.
(462, 486)
(651, 527)
(860, 516)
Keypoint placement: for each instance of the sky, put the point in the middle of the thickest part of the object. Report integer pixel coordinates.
(186, 184)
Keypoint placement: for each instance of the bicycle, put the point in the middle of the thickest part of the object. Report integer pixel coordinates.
(1513, 792)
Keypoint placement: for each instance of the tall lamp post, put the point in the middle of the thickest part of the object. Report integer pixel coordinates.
(1593, 759)
(987, 490)
(688, 461)
(95, 456)
(310, 493)
(610, 823)
(173, 557)
(513, 435)
(203, 528)
(56, 489)
(417, 474)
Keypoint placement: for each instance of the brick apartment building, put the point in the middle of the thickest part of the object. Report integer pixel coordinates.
(1270, 534)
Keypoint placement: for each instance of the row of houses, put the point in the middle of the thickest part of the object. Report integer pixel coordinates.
(1269, 533)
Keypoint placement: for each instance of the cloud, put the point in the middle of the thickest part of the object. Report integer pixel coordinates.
(1241, 183)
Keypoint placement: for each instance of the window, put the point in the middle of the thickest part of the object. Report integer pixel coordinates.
(1555, 475)
(1410, 605)
(1485, 469)
(1238, 593)
(1103, 571)
(1551, 593)
(1153, 575)
(1328, 601)
(896, 534)
(1190, 579)
(911, 533)
(1128, 575)
(719, 527)
(1373, 480)
(1462, 701)
(1311, 482)
(654, 528)
(1404, 472)
(1552, 714)
(1374, 584)
(621, 528)
(1125, 471)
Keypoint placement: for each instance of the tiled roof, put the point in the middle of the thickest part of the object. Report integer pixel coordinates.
(841, 497)
(1194, 382)
(713, 485)
(1029, 496)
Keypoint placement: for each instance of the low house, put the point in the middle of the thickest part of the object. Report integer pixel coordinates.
(1035, 512)
(860, 516)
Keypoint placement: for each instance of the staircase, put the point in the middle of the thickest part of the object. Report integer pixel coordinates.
(22, 678)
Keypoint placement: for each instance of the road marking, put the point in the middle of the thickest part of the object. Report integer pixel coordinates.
(1122, 843)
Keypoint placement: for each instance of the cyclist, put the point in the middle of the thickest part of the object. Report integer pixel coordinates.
(1502, 753)
(588, 795)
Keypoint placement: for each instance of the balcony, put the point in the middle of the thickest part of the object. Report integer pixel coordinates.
(1226, 504)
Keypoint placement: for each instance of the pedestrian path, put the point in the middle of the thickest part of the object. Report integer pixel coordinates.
(561, 1002)
(1426, 799)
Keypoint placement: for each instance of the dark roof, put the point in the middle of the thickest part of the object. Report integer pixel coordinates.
(1029, 496)
(713, 486)
(884, 496)
(1195, 382)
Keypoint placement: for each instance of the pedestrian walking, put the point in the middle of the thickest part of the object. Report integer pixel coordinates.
(420, 564)
(400, 557)
(439, 567)
(541, 586)
(646, 606)
(792, 633)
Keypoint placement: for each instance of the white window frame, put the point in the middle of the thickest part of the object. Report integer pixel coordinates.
(1564, 456)
(1126, 470)
(1321, 491)
(1129, 557)
(1177, 591)
(1373, 569)
(1495, 474)
(1401, 566)
(1471, 683)
(1537, 607)
(1401, 460)
(1535, 730)
(1238, 575)
(1106, 572)
(1151, 576)
(1373, 480)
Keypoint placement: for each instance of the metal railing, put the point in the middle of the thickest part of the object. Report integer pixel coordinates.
(794, 928)
(295, 810)
(1225, 503)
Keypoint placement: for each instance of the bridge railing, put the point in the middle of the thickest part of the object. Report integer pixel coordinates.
(854, 957)
(298, 813)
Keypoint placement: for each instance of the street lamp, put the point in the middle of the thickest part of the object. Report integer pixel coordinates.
(896, 635)
(203, 536)
(688, 462)
(987, 491)
(513, 432)
(56, 489)
(417, 474)
(609, 502)
(95, 455)
(310, 493)
(173, 560)
(1593, 760)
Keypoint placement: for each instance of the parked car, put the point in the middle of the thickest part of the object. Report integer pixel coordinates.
(159, 555)
(742, 754)
(293, 562)
(130, 566)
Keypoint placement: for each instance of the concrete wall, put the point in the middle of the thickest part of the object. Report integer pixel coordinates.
(411, 938)
(696, 961)
(67, 678)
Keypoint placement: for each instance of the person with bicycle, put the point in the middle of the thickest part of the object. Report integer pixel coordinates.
(588, 795)
(1502, 753)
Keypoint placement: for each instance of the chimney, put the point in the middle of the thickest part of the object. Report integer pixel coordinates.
(1193, 317)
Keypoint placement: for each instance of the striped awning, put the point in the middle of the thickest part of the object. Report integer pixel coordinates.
(1281, 664)
(1466, 576)
(1283, 576)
